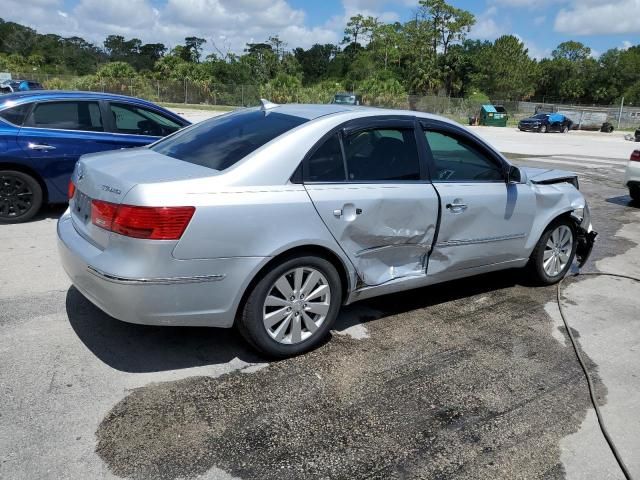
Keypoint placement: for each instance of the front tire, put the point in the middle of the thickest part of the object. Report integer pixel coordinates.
(634, 193)
(543, 129)
(20, 196)
(291, 309)
(552, 257)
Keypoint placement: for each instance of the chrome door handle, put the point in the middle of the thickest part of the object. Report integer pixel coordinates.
(337, 213)
(457, 207)
(41, 146)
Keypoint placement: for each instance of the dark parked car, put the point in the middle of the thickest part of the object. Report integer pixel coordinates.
(43, 133)
(546, 122)
(12, 86)
(347, 99)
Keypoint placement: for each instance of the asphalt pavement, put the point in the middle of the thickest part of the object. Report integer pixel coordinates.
(468, 379)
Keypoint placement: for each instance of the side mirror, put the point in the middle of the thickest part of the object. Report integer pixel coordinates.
(513, 175)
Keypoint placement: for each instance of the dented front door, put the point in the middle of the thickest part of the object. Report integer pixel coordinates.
(386, 229)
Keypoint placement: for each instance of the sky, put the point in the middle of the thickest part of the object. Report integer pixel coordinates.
(228, 25)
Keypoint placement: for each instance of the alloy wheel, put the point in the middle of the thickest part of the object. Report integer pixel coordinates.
(297, 305)
(557, 251)
(16, 197)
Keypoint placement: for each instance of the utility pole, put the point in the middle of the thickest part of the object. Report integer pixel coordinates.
(620, 114)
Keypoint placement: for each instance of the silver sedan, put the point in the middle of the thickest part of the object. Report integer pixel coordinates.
(272, 218)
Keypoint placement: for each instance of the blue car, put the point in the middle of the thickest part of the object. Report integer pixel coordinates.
(43, 133)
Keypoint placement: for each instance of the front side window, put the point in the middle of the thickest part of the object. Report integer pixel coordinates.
(16, 115)
(69, 115)
(135, 120)
(221, 142)
(382, 155)
(457, 160)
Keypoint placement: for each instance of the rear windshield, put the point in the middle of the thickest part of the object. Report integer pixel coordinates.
(221, 142)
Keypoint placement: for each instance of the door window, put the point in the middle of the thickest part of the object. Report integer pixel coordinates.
(69, 115)
(456, 160)
(135, 120)
(326, 164)
(382, 155)
(16, 115)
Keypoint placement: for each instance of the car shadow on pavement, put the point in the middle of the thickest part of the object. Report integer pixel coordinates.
(623, 200)
(50, 211)
(141, 349)
(387, 305)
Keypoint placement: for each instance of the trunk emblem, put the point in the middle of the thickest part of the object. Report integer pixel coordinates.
(109, 189)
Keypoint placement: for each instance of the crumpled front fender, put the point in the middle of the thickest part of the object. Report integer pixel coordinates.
(586, 235)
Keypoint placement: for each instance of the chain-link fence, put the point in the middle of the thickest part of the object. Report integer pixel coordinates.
(210, 93)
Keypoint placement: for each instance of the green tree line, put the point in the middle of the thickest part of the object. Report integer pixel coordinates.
(430, 54)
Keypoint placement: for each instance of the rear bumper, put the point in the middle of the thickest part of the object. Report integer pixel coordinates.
(204, 298)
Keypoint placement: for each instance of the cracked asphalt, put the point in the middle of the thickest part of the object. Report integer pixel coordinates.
(468, 379)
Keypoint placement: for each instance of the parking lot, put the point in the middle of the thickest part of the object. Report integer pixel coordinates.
(468, 379)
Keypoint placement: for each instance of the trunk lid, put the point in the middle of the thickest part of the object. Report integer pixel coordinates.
(108, 176)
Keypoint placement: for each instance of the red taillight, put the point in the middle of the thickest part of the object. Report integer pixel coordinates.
(153, 223)
(102, 213)
(72, 189)
(635, 156)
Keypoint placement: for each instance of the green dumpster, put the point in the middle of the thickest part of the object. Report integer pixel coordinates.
(493, 116)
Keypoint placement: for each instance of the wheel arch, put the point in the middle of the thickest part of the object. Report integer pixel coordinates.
(297, 251)
(32, 173)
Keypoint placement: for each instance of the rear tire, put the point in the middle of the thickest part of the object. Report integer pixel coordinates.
(565, 129)
(553, 256)
(20, 196)
(634, 193)
(280, 318)
(543, 129)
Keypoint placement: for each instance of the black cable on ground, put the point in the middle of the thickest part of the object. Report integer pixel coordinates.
(592, 394)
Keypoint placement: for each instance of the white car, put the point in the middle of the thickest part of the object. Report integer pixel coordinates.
(632, 176)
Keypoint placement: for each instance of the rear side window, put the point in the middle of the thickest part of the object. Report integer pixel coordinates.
(326, 164)
(221, 142)
(134, 120)
(16, 115)
(382, 155)
(71, 115)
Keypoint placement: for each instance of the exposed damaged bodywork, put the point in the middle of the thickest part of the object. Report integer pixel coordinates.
(562, 197)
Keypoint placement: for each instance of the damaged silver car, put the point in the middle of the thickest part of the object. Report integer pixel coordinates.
(272, 218)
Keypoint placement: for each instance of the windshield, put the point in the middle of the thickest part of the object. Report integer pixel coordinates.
(221, 142)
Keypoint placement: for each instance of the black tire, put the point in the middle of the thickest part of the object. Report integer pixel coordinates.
(536, 260)
(250, 319)
(565, 129)
(543, 129)
(634, 193)
(20, 196)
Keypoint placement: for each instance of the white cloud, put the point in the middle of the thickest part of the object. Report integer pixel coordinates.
(230, 22)
(488, 27)
(526, 3)
(626, 45)
(599, 17)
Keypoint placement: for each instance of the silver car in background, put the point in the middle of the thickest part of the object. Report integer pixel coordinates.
(272, 218)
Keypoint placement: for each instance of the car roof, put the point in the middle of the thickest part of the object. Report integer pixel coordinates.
(312, 112)
(31, 95)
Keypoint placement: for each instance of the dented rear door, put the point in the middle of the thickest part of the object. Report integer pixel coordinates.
(379, 208)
